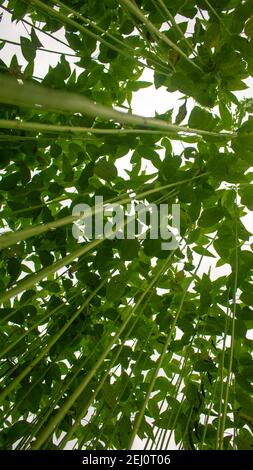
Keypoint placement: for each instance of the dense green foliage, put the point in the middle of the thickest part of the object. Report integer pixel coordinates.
(108, 340)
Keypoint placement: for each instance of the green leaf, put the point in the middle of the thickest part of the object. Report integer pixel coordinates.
(182, 112)
(108, 394)
(244, 440)
(246, 193)
(34, 39)
(203, 251)
(20, 9)
(46, 257)
(67, 170)
(125, 429)
(192, 394)
(16, 431)
(55, 150)
(9, 182)
(169, 167)
(14, 268)
(204, 365)
(115, 288)
(51, 286)
(211, 217)
(139, 85)
(105, 170)
(248, 29)
(129, 249)
(226, 115)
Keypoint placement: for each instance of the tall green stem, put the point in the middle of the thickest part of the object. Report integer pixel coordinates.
(83, 384)
(157, 368)
(34, 96)
(231, 356)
